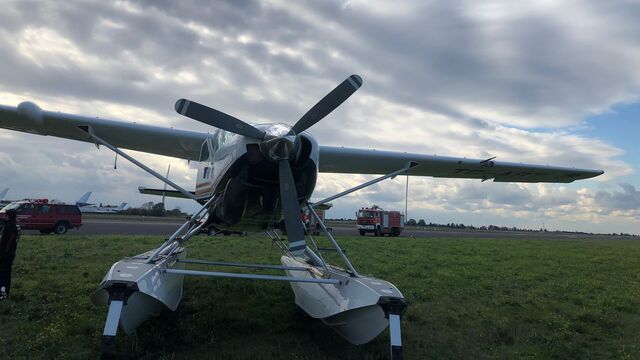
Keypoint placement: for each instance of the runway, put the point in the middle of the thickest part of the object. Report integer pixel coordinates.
(160, 227)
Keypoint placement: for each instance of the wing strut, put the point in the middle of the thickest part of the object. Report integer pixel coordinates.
(89, 131)
(407, 167)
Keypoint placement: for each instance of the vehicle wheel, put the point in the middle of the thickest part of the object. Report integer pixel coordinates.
(45, 232)
(377, 233)
(60, 228)
(362, 233)
(211, 231)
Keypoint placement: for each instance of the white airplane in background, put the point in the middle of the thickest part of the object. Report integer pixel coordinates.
(249, 178)
(102, 209)
(86, 207)
(83, 200)
(3, 194)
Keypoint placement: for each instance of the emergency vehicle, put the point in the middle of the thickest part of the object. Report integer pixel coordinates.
(45, 216)
(310, 222)
(379, 222)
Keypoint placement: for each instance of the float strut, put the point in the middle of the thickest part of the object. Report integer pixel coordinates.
(393, 309)
(396, 337)
(118, 295)
(110, 329)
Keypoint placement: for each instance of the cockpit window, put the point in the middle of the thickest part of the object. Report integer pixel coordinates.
(367, 214)
(204, 152)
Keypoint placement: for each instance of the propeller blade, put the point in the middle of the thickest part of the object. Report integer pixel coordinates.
(328, 103)
(217, 119)
(291, 209)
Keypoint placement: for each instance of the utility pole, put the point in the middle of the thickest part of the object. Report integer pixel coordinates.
(406, 201)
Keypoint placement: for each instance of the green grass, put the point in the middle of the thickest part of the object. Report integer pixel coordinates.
(469, 298)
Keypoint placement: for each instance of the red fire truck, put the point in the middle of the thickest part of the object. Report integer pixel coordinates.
(379, 222)
(310, 222)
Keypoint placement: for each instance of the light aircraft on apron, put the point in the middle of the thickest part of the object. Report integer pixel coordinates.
(259, 178)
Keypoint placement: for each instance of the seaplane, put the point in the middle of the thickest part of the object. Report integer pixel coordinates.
(258, 177)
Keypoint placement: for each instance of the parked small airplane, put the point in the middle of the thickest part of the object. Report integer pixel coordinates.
(86, 207)
(102, 209)
(3, 194)
(83, 200)
(250, 177)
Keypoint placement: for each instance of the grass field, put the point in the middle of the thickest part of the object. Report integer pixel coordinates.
(469, 298)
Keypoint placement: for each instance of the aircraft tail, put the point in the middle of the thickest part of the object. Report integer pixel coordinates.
(3, 193)
(121, 207)
(83, 200)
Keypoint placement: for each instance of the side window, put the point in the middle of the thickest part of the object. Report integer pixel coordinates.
(204, 152)
(205, 174)
(44, 209)
(25, 209)
(68, 209)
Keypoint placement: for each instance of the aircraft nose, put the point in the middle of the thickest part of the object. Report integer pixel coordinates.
(279, 148)
(279, 142)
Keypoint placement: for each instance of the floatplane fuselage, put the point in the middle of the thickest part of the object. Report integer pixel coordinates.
(243, 172)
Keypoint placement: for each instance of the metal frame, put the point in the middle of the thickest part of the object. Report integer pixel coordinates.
(234, 264)
(252, 276)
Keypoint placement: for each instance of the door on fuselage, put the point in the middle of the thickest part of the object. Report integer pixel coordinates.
(204, 179)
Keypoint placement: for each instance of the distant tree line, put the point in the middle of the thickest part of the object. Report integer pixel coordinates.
(152, 209)
(421, 222)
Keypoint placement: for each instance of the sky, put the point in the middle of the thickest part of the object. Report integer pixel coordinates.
(547, 82)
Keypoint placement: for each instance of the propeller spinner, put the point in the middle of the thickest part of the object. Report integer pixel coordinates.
(278, 144)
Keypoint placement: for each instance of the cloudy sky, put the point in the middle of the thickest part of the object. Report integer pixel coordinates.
(550, 82)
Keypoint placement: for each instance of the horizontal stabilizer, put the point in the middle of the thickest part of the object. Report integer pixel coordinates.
(161, 192)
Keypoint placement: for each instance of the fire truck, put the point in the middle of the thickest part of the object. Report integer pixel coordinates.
(310, 222)
(379, 222)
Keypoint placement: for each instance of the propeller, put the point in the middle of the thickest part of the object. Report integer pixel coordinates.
(217, 119)
(278, 144)
(328, 103)
(291, 209)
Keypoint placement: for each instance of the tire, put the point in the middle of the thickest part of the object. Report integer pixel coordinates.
(61, 228)
(377, 233)
(362, 233)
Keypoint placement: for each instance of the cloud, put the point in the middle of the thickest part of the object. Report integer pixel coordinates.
(626, 200)
(472, 79)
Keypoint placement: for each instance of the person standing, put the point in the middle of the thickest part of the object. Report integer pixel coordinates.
(8, 246)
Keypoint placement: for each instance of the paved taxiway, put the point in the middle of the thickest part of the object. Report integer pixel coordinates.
(155, 227)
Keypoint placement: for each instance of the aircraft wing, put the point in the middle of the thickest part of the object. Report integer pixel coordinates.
(361, 161)
(28, 117)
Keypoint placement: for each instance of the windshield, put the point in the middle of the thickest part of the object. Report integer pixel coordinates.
(366, 214)
(11, 206)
